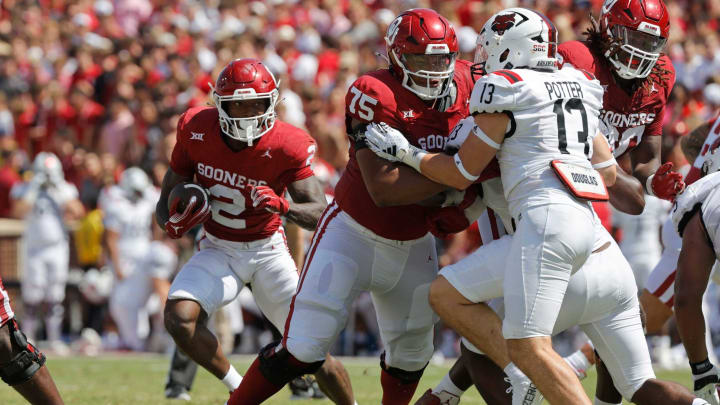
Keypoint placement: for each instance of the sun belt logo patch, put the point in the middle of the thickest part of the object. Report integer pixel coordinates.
(503, 23)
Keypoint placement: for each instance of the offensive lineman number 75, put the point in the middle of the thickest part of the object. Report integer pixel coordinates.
(365, 111)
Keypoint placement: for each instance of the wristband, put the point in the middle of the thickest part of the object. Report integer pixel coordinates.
(461, 168)
(414, 157)
(607, 163)
(648, 185)
(701, 366)
(483, 137)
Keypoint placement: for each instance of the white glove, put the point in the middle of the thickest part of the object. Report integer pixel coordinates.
(705, 379)
(391, 144)
(708, 393)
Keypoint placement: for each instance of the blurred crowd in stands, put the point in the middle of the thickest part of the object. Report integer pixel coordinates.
(102, 83)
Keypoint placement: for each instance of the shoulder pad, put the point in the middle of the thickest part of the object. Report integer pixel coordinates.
(495, 92)
(370, 98)
(691, 200)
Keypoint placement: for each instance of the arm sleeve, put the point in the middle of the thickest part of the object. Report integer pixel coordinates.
(180, 161)
(711, 219)
(369, 100)
(112, 220)
(459, 134)
(300, 159)
(693, 198)
(493, 93)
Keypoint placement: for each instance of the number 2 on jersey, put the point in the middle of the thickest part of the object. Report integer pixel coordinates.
(221, 208)
(570, 105)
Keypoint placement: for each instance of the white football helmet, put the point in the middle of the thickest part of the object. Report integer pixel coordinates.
(517, 38)
(48, 165)
(711, 164)
(134, 182)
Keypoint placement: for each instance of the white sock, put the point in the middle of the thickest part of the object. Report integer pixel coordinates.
(599, 402)
(579, 363)
(514, 372)
(700, 401)
(232, 379)
(447, 385)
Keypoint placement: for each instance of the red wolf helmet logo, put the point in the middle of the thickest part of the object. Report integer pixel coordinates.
(503, 23)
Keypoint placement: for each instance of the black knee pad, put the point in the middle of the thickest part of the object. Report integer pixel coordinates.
(23, 366)
(279, 366)
(406, 377)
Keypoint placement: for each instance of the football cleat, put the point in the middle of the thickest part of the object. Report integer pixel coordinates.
(438, 398)
(177, 392)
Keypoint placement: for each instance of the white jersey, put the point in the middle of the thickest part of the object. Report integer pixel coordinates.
(641, 233)
(131, 220)
(45, 224)
(554, 116)
(160, 261)
(704, 195)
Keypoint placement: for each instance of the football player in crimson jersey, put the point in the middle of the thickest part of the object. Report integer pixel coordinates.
(246, 159)
(625, 54)
(374, 237)
(22, 366)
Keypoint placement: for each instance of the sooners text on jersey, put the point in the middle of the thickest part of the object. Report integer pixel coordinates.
(628, 116)
(280, 157)
(380, 97)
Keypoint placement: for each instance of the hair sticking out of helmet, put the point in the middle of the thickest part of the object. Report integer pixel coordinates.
(517, 38)
(635, 32)
(244, 80)
(422, 47)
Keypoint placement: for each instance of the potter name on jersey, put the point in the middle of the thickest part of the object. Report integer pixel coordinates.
(564, 89)
(226, 177)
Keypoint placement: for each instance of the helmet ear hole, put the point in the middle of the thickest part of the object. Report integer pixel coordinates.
(504, 55)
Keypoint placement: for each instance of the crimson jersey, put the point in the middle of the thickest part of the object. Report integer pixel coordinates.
(629, 117)
(280, 157)
(380, 97)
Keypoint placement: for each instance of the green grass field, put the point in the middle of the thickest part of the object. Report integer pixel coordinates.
(140, 379)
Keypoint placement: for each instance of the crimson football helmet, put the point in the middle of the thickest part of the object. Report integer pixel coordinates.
(638, 31)
(517, 38)
(245, 79)
(422, 47)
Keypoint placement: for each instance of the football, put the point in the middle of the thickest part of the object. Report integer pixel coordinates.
(183, 194)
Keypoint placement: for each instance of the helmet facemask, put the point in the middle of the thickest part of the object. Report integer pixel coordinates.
(246, 129)
(427, 75)
(633, 53)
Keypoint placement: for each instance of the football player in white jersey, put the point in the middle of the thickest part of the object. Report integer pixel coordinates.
(601, 298)
(48, 203)
(127, 215)
(696, 217)
(640, 242)
(540, 122)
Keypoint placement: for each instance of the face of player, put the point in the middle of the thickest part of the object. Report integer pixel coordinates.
(428, 65)
(246, 108)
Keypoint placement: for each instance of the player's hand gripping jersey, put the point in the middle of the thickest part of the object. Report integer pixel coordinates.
(554, 116)
(379, 97)
(280, 157)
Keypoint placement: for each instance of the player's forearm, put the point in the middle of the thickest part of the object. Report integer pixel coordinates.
(306, 214)
(644, 170)
(396, 184)
(691, 325)
(627, 194)
(162, 214)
